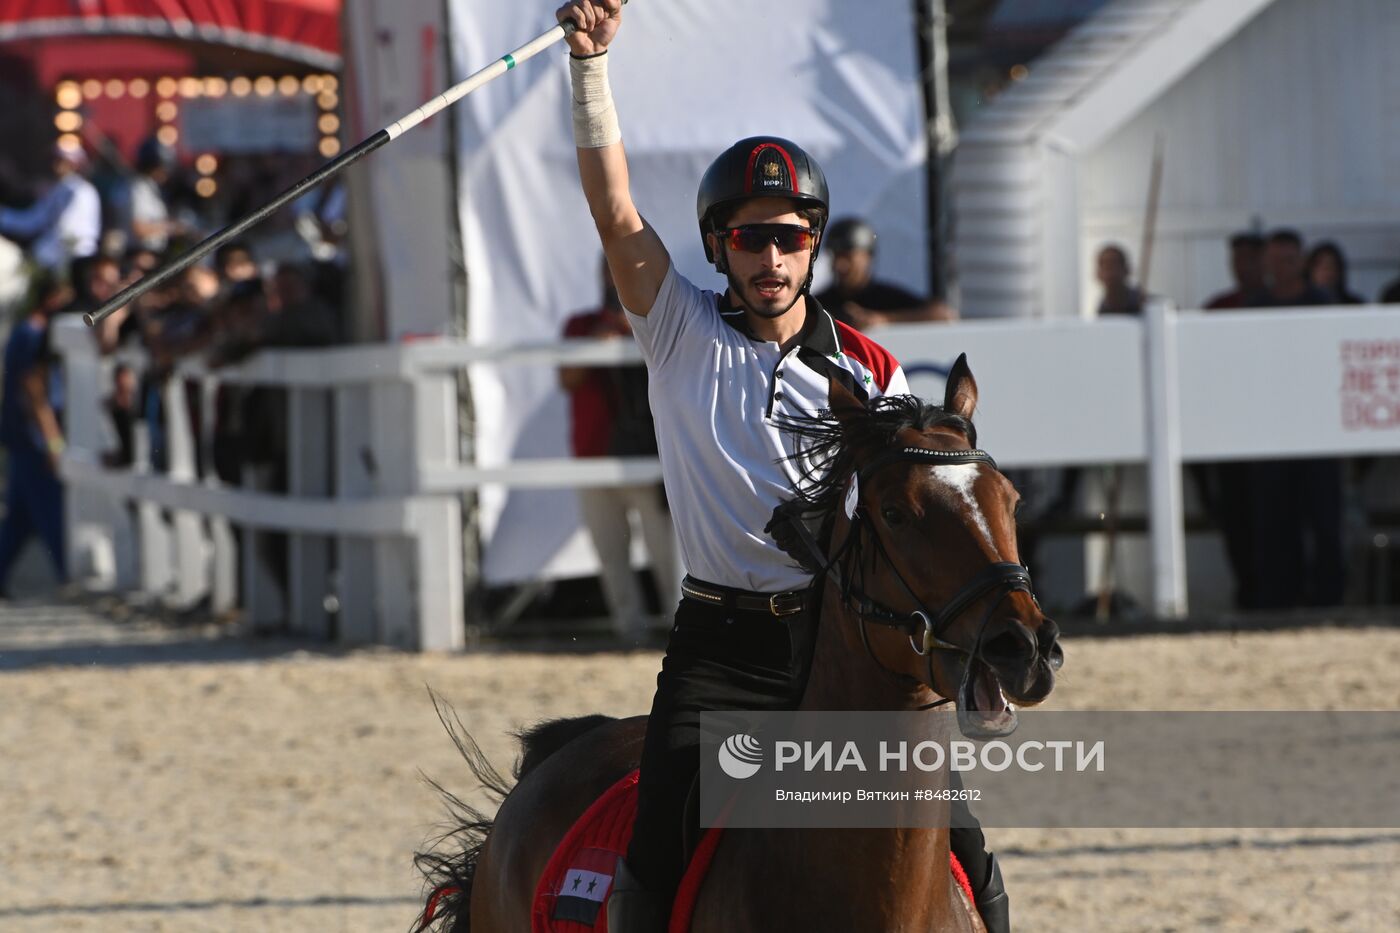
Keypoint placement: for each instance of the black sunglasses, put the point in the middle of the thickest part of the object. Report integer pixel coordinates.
(754, 238)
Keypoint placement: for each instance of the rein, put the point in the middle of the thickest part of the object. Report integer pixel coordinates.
(928, 626)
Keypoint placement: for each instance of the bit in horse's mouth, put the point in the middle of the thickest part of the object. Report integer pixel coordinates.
(983, 709)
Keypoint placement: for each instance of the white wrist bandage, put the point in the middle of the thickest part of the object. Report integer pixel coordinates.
(595, 117)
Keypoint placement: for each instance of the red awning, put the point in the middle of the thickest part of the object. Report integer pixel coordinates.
(306, 31)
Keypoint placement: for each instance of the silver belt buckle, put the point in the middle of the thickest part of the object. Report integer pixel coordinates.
(773, 605)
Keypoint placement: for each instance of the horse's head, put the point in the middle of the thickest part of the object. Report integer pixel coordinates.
(922, 551)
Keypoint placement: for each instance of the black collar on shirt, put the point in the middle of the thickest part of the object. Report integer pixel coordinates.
(817, 344)
(818, 332)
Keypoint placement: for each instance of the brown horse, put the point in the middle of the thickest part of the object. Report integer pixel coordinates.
(931, 523)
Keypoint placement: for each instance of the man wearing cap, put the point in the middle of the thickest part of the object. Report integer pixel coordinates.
(66, 222)
(726, 370)
(859, 299)
(151, 224)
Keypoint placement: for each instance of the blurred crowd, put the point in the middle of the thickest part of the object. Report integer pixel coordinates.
(68, 247)
(1284, 522)
(1268, 271)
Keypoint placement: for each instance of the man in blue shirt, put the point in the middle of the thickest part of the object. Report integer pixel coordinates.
(33, 441)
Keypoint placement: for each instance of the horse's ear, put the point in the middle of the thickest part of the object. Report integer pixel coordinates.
(960, 395)
(844, 404)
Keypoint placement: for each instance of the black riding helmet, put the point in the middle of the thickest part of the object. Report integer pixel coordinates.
(760, 167)
(850, 233)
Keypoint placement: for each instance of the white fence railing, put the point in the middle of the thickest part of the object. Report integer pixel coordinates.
(372, 509)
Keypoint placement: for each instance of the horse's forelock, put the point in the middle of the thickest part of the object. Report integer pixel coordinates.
(830, 448)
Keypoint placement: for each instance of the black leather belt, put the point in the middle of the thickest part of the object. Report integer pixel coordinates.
(778, 604)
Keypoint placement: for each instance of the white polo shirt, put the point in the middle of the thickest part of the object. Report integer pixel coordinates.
(717, 393)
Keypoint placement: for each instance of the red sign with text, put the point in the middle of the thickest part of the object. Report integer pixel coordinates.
(1371, 385)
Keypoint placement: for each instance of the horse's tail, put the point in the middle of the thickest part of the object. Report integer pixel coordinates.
(449, 864)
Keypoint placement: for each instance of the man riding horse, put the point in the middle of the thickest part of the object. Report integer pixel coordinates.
(727, 372)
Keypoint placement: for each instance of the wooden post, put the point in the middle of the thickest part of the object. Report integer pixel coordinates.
(1167, 513)
(308, 555)
(356, 472)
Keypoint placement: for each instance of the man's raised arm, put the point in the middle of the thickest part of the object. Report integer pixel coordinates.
(636, 255)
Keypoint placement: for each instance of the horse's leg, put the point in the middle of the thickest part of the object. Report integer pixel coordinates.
(538, 812)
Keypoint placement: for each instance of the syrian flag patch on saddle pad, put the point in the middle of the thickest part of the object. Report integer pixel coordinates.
(585, 886)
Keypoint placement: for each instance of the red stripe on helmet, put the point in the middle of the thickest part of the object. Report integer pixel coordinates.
(753, 157)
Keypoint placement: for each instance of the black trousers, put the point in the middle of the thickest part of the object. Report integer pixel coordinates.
(720, 659)
(1299, 544)
(717, 659)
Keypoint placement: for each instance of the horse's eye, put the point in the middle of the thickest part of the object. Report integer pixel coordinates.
(892, 515)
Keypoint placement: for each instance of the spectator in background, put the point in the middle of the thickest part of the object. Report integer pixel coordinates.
(251, 422)
(1286, 273)
(95, 279)
(151, 224)
(285, 313)
(1247, 269)
(859, 299)
(1114, 273)
(1225, 488)
(610, 416)
(1390, 295)
(1327, 272)
(140, 260)
(32, 437)
(121, 408)
(188, 325)
(169, 321)
(296, 315)
(239, 313)
(322, 220)
(65, 223)
(1296, 505)
(234, 262)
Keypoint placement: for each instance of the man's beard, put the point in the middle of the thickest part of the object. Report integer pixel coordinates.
(751, 300)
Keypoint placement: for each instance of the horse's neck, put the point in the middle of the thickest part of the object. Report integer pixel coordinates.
(844, 675)
(892, 876)
(851, 879)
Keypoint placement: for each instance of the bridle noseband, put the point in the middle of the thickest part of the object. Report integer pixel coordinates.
(921, 623)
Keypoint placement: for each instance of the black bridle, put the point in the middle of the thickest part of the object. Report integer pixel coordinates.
(928, 626)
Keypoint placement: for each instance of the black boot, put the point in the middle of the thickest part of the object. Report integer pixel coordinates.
(992, 902)
(633, 908)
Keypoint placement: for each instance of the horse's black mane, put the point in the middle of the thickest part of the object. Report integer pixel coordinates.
(827, 444)
(825, 458)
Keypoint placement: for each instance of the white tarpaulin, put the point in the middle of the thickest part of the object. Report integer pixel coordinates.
(690, 77)
(395, 60)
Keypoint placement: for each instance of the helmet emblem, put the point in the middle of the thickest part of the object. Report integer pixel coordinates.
(770, 169)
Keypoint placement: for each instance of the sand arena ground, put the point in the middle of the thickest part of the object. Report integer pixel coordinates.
(179, 780)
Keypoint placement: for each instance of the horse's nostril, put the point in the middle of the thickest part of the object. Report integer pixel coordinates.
(1048, 638)
(1013, 643)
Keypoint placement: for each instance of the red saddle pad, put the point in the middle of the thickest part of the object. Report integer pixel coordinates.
(572, 894)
